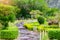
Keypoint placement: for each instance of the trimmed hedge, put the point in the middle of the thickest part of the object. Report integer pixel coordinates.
(54, 26)
(54, 34)
(40, 28)
(10, 33)
(51, 26)
(31, 26)
(28, 26)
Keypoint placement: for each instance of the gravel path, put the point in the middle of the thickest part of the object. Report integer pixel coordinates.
(25, 34)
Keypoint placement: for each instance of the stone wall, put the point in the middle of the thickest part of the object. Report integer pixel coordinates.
(53, 3)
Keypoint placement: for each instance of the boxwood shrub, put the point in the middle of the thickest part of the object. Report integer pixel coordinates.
(41, 20)
(34, 26)
(28, 26)
(10, 33)
(54, 34)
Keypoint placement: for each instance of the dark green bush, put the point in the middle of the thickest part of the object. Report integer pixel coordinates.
(11, 33)
(7, 13)
(54, 34)
(41, 20)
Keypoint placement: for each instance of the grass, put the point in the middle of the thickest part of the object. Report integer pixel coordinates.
(45, 37)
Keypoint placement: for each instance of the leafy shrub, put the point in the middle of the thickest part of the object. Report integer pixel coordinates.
(1, 26)
(41, 20)
(28, 5)
(54, 34)
(7, 13)
(11, 33)
(51, 12)
(35, 13)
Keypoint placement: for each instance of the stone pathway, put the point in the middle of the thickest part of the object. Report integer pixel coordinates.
(25, 34)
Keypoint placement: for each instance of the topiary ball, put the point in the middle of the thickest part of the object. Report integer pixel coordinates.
(41, 20)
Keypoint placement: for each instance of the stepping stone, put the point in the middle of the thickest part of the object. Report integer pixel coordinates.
(23, 35)
(33, 33)
(24, 38)
(24, 31)
(21, 27)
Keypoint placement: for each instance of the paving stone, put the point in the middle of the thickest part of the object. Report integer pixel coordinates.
(25, 34)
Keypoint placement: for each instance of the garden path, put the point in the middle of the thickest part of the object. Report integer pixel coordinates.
(25, 34)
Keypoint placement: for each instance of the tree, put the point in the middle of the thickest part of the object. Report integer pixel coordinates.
(28, 5)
